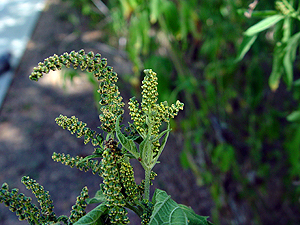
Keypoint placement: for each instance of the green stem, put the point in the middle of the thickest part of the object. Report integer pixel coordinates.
(147, 183)
(137, 210)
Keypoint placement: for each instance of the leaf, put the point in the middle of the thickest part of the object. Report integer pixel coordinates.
(163, 143)
(145, 149)
(193, 218)
(294, 116)
(245, 46)
(128, 144)
(166, 211)
(277, 68)
(99, 197)
(263, 25)
(290, 56)
(155, 10)
(288, 67)
(94, 216)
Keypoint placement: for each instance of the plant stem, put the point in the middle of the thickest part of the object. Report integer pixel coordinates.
(147, 183)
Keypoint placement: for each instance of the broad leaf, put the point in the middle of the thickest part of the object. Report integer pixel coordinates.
(193, 218)
(166, 211)
(245, 46)
(263, 25)
(94, 216)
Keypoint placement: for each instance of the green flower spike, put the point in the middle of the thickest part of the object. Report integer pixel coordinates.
(111, 105)
(75, 126)
(78, 210)
(147, 121)
(83, 164)
(112, 183)
(42, 197)
(20, 204)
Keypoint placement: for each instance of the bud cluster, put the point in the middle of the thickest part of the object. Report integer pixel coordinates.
(151, 112)
(78, 210)
(42, 196)
(19, 203)
(112, 184)
(78, 162)
(75, 126)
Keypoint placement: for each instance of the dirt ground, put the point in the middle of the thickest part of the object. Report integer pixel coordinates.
(29, 135)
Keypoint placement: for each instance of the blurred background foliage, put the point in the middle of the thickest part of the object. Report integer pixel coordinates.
(235, 64)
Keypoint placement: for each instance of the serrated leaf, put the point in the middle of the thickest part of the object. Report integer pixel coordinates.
(263, 25)
(294, 116)
(166, 211)
(193, 218)
(94, 216)
(245, 46)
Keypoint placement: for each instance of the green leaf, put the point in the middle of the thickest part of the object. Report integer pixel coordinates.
(166, 211)
(155, 10)
(163, 143)
(294, 116)
(99, 197)
(94, 217)
(290, 56)
(193, 218)
(277, 68)
(245, 46)
(145, 149)
(263, 25)
(128, 144)
(288, 67)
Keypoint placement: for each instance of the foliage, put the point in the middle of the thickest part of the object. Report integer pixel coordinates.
(285, 37)
(235, 129)
(144, 141)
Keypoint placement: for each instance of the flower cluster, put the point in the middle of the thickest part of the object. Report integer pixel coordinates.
(112, 186)
(78, 210)
(111, 105)
(151, 113)
(89, 62)
(128, 182)
(79, 162)
(26, 210)
(148, 208)
(75, 126)
(42, 197)
(19, 203)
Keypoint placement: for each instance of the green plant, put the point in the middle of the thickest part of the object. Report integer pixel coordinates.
(233, 125)
(286, 39)
(142, 140)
